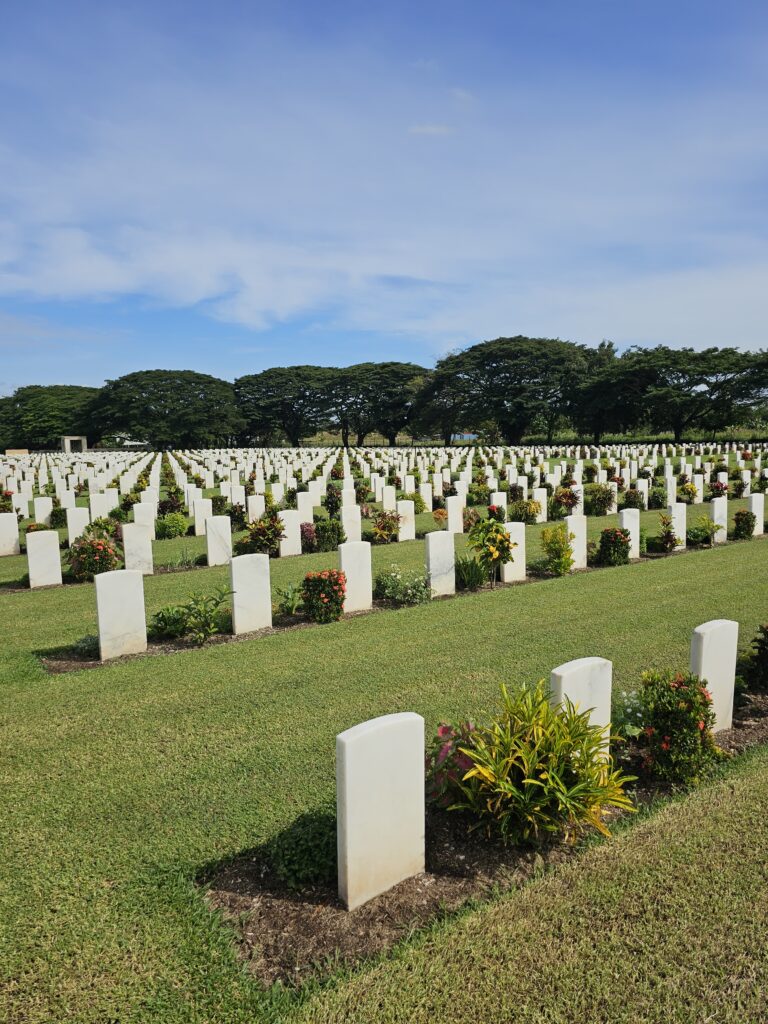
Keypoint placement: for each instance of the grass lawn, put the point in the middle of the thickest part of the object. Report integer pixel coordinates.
(667, 922)
(121, 784)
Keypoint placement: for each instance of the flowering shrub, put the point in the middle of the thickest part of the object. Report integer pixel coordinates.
(556, 543)
(613, 548)
(497, 513)
(566, 499)
(492, 545)
(385, 527)
(401, 587)
(440, 515)
(703, 533)
(238, 517)
(172, 524)
(754, 667)
(744, 523)
(533, 770)
(478, 494)
(687, 493)
(89, 556)
(677, 719)
(739, 486)
(6, 501)
(264, 536)
(323, 595)
(718, 489)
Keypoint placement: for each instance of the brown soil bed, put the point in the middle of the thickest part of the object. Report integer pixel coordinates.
(290, 937)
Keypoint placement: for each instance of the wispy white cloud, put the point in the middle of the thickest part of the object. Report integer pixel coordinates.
(281, 184)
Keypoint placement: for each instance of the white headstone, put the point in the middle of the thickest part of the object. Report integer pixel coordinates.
(351, 522)
(407, 527)
(756, 505)
(679, 515)
(202, 509)
(714, 647)
(718, 513)
(514, 571)
(389, 499)
(218, 535)
(9, 534)
(145, 514)
(355, 563)
(120, 612)
(255, 506)
(43, 559)
(304, 507)
(540, 494)
(629, 520)
(441, 563)
(251, 593)
(586, 682)
(576, 525)
(455, 508)
(291, 544)
(379, 805)
(42, 510)
(137, 546)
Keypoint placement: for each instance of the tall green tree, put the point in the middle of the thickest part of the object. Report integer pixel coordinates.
(685, 389)
(518, 382)
(352, 396)
(397, 386)
(170, 408)
(288, 400)
(37, 416)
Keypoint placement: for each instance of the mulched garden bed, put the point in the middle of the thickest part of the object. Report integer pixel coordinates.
(291, 937)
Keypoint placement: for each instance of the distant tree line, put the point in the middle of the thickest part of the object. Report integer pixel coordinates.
(504, 390)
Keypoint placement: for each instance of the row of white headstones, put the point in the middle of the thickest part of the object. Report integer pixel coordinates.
(380, 765)
(44, 561)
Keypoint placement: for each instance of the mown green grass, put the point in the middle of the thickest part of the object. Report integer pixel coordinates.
(121, 784)
(667, 922)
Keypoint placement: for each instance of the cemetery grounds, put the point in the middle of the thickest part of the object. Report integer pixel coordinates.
(124, 785)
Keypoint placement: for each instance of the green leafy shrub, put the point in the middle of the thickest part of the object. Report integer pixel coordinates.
(304, 854)
(88, 556)
(470, 575)
(400, 587)
(677, 716)
(332, 500)
(329, 533)
(173, 524)
(478, 494)
(523, 512)
(58, 518)
(598, 500)
(492, 545)
(263, 537)
(532, 771)
(419, 505)
(169, 623)
(323, 595)
(632, 498)
(289, 599)
(556, 544)
(744, 523)
(219, 504)
(199, 618)
(385, 527)
(469, 517)
(613, 548)
(87, 648)
(754, 667)
(667, 538)
(498, 513)
(702, 533)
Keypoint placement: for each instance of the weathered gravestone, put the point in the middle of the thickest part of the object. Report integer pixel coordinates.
(441, 563)
(379, 805)
(586, 683)
(251, 593)
(714, 648)
(355, 563)
(120, 612)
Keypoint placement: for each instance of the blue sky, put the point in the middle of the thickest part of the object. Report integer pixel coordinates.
(227, 187)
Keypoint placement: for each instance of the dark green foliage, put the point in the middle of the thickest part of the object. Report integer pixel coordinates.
(470, 575)
(329, 533)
